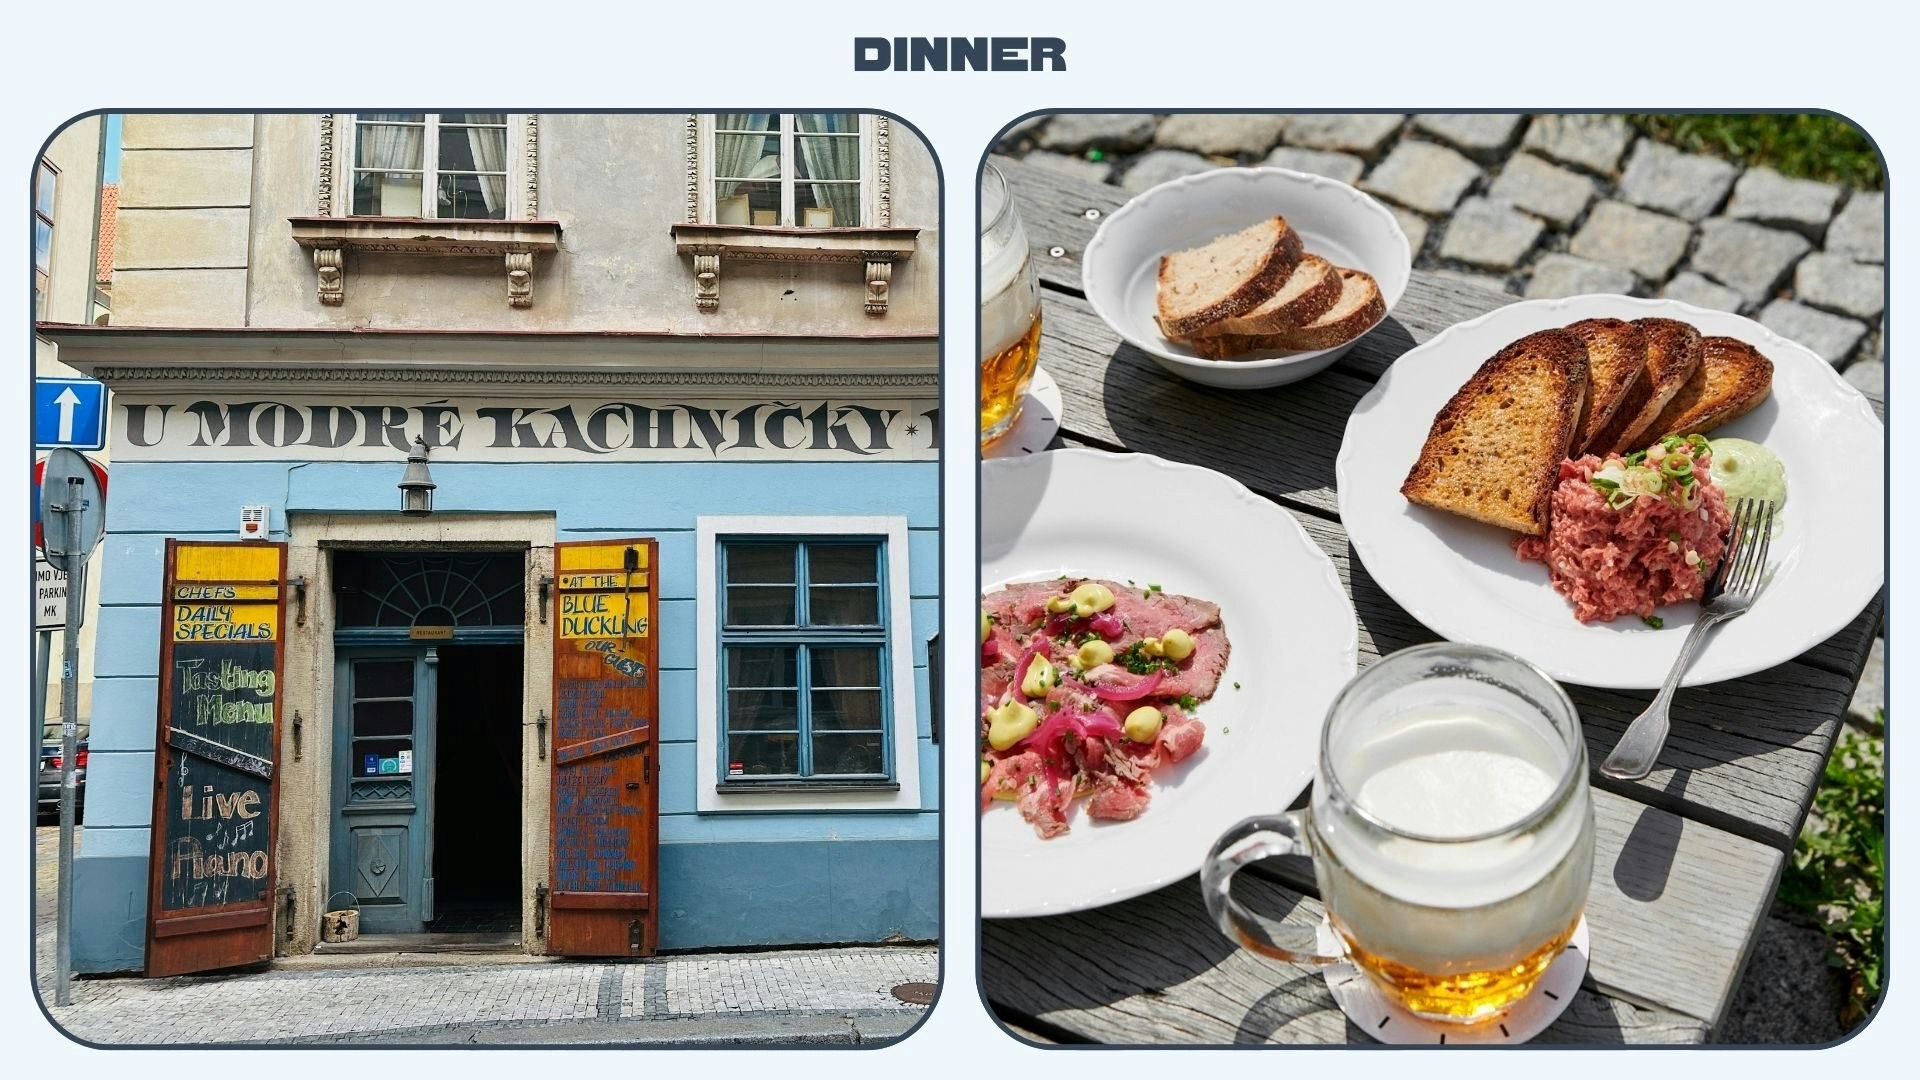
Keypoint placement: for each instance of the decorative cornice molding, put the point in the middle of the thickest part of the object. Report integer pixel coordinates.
(531, 139)
(693, 168)
(883, 171)
(129, 374)
(324, 184)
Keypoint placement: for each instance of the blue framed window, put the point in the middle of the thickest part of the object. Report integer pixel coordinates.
(804, 687)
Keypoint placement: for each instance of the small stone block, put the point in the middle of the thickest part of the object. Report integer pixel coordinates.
(1752, 259)
(1560, 274)
(1490, 234)
(1644, 242)
(1662, 178)
(1220, 133)
(1156, 167)
(1583, 140)
(1423, 176)
(1831, 336)
(1532, 184)
(1345, 168)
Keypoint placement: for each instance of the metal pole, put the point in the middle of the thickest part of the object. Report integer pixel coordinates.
(69, 742)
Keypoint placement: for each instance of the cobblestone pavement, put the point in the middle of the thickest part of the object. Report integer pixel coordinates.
(839, 995)
(1549, 206)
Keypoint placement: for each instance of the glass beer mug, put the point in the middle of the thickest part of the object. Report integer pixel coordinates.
(1450, 829)
(1009, 309)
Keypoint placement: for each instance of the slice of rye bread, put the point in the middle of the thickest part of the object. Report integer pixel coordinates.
(1308, 293)
(1732, 378)
(1360, 306)
(1616, 355)
(1229, 276)
(1673, 351)
(1494, 451)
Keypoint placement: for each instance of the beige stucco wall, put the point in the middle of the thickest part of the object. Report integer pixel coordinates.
(206, 241)
(75, 151)
(303, 846)
(186, 189)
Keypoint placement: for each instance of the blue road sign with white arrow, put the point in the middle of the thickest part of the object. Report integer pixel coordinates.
(69, 412)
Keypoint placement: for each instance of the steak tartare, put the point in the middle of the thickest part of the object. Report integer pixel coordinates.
(1086, 687)
(1628, 534)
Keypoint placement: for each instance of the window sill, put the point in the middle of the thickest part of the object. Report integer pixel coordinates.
(514, 241)
(808, 786)
(877, 249)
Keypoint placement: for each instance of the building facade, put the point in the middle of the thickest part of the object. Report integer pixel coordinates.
(68, 222)
(523, 523)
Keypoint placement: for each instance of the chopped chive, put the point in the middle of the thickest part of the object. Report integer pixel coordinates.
(1654, 621)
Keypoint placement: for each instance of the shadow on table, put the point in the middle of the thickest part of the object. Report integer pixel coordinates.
(1280, 442)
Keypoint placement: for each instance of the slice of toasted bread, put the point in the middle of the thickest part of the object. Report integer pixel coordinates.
(1230, 276)
(1673, 351)
(1360, 306)
(1306, 295)
(1616, 355)
(1494, 452)
(1732, 378)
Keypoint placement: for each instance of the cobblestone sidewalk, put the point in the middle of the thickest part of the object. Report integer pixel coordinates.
(755, 996)
(798, 995)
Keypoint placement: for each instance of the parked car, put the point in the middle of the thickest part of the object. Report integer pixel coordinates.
(50, 779)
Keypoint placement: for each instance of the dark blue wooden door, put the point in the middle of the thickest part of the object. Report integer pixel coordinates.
(383, 786)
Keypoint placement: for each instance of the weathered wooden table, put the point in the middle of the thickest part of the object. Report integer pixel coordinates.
(1687, 860)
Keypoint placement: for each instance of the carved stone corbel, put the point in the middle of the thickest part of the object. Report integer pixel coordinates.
(706, 274)
(879, 281)
(520, 278)
(330, 265)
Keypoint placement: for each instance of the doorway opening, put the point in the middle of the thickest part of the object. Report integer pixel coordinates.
(477, 790)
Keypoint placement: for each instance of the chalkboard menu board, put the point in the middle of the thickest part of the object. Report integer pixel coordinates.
(605, 699)
(218, 741)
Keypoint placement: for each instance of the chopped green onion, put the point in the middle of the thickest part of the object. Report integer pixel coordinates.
(1236, 686)
(1654, 621)
(1677, 466)
(1635, 458)
(1605, 485)
(1187, 701)
(1674, 536)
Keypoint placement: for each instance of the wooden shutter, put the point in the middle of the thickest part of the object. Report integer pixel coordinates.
(210, 899)
(605, 854)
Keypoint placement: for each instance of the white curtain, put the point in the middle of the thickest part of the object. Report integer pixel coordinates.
(836, 158)
(489, 146)
(736, 155)
(389, 146)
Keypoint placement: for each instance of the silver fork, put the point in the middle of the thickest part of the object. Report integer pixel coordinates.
(1731, 591)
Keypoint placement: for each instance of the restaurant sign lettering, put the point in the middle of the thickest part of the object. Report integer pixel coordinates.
(455, 429)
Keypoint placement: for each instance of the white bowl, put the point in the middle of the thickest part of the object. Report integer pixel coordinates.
(1336, 222)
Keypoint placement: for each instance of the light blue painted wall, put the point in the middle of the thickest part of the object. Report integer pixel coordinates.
(736, 864)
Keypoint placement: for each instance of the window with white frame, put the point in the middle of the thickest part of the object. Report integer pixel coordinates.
(788, 169)
(46, 183)
(803, 659)
(432, 165)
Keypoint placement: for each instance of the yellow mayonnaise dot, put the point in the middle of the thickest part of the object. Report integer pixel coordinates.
(1090, 598)
(1093, 654)
(1058, 604)
(1152, 646)
(986, 627)
(1010, 723)
(1143, 724)
(1041, 678)
(1177, 644)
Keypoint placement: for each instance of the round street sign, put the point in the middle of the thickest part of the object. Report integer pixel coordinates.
(88, 504)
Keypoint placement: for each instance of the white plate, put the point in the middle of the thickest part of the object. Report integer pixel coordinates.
(1462, 580)
(1038, 423)
(1336, 222)
(1287, 618)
